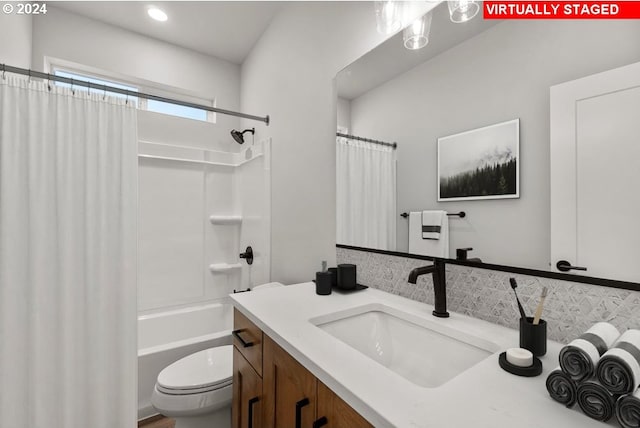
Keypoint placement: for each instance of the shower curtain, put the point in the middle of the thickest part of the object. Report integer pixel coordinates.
(68, 200)
(366, 194)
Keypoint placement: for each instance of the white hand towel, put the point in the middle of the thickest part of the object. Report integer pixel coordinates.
(428, 247)
(432, 224)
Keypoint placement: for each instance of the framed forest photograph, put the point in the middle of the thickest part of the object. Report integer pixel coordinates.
(483, 163)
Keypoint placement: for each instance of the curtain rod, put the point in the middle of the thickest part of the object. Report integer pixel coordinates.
(32, 73)
(368, 140)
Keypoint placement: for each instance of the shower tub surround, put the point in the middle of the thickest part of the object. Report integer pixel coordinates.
(570, 307)
(200, 208)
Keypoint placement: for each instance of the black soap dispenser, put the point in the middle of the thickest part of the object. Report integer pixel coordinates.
(323, 281)
(461, 253)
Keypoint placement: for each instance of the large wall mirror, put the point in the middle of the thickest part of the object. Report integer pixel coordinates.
(574, 91)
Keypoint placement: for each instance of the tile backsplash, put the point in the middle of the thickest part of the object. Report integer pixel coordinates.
(570, 307)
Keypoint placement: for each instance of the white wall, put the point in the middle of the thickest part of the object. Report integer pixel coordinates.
(70, 37)
(344, 113)
(501, 74)
(15, 40)
(290, 75)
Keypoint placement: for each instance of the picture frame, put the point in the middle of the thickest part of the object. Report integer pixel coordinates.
(483, 163)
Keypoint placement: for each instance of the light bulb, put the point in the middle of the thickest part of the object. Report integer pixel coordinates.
(416, 35)
(157, 14)
(388, 17)
(463, 10)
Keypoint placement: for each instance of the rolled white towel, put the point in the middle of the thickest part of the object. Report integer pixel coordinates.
(579, 358)
(628, 410)
(595, 401)
(619, 368)
(562, 388)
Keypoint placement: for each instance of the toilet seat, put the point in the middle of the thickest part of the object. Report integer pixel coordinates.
(198, 373)
(193, 390)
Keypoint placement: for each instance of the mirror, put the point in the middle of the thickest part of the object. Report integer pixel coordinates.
(476, 75)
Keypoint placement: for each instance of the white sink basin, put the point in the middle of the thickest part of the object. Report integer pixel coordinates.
(423, 352)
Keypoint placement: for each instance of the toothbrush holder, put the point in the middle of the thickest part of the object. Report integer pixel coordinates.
(533, 337)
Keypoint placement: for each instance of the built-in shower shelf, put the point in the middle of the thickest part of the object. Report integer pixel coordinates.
(225, 219)
(224, 267)
(194, 155)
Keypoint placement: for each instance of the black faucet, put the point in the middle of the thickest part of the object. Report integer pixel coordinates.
(415, 273)
(461, 254)
(439, 285)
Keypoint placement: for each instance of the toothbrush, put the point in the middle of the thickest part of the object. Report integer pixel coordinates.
(514, 285)
(536, 318)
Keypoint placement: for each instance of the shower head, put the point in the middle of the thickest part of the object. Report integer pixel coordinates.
(239, 136)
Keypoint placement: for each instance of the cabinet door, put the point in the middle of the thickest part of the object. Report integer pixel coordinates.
(338, 414)
(289, 389)
(247, 394)
(247, 337)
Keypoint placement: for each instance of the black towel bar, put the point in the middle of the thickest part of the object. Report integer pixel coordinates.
(461, 214)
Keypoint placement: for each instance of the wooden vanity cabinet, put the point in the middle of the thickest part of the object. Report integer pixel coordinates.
(247, 338)
(283, 394)
(289, 390)
(247, 407)
(246, 410)
(338, 413)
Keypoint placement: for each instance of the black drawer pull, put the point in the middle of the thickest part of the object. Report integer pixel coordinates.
(252, 401)
(236, 334)
(320, 422)
(299, 405)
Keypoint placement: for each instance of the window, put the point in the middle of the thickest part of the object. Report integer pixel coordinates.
(176, 110)
(141, 103)
(96, 81)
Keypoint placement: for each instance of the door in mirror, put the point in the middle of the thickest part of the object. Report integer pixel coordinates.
(595, 175)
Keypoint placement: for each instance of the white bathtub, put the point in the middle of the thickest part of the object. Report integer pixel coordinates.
(166, 337)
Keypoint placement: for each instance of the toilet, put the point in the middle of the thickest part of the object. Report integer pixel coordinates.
(196, 391)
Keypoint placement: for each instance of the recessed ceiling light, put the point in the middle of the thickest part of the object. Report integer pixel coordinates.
(157, 14)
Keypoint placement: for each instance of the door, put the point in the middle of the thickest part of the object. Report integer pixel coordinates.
(289, 389)
(247, 394)
(595, 174)
(336, 412)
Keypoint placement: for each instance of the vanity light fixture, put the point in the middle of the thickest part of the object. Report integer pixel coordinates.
(416, 35)
(463, 10)
(157, 14)
(388, 16)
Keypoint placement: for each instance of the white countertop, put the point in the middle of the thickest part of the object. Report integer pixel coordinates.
(482, 396)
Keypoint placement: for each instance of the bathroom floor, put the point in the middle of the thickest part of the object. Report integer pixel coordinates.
(157, 422)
